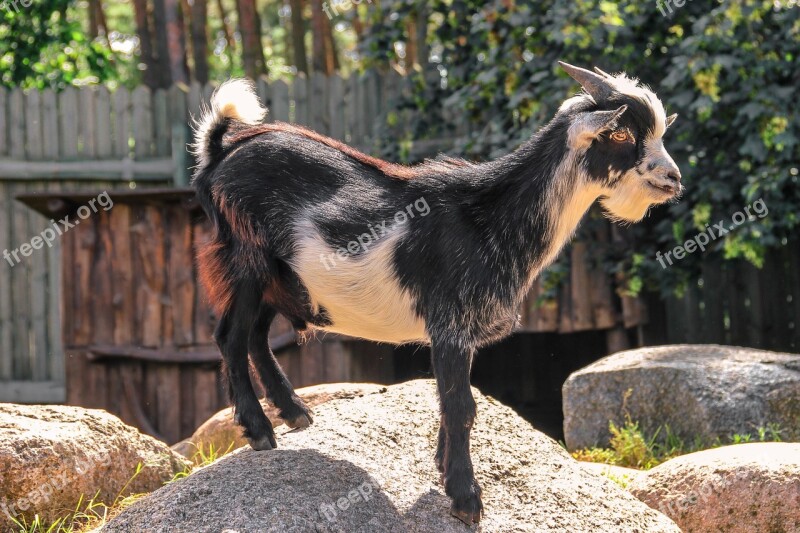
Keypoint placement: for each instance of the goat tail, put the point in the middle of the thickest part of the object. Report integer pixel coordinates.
(234, 100)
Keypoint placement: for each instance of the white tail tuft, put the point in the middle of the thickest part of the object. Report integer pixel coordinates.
(235, 99)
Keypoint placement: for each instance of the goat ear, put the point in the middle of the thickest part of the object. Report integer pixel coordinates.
(671, 119)
(590, 126)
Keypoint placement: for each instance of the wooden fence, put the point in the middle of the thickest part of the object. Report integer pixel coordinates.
(93, 138)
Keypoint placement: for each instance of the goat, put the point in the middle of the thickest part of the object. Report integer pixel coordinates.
(295, 218)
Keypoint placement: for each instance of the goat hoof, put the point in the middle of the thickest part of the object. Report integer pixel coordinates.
(469, 510)
(300, 422)
(265, 443)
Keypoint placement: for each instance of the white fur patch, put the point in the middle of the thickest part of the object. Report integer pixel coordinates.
(361, 294)
(235, 99)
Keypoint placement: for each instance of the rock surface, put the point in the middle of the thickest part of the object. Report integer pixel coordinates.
(222, 433)
(745, 488)
(52, 455)
(704, 391)
(619, 474)
(366, 465)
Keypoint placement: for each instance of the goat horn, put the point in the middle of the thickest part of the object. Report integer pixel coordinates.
(602, 72)
(595, 85)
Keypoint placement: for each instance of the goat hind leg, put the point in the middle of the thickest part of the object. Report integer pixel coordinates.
(279, 390)
(231, 336)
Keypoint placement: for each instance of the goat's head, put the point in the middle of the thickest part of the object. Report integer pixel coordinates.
(615, 134)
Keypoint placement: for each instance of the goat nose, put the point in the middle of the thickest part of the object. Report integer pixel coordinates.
(674, 175)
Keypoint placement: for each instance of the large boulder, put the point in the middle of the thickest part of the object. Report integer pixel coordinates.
(50, 456)
(745, 488)
(221, 433)
(700, 391)
(366, 465)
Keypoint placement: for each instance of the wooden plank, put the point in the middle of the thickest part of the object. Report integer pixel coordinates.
(181, 282)
(582, 316)
(336, 107)
(263, 90)
(163, 128)
(104, 147)
(206, 401)
(713, 299)
(68, 122)
(142, 122)
(793, 249)
(203, 316)
(148, 240)
(86, 240)
(68, 275)
(279, 110)
(87, 122)
(40, 350)
(4, 119)
(337, 363)
(16, 133)
(123, 295)
(351, 110)
(50, 140)
(122, 123)
(186, 404)
(755, 323)
(168, 398)
(312, 357)
(150, 170)
(21, 285)
(318, 103)
(54, 306)
(196, 355)
(181, 135)
(33, 125)
(6, 304)
(32, 392)
(300, 94)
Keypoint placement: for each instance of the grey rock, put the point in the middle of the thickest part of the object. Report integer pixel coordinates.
(700, 391)
(50, 456)
(366, 465)
(745, 488)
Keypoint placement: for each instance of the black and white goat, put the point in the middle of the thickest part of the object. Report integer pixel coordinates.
(441, 253)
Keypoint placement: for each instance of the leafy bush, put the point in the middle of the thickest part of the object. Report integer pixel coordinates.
(731, 69)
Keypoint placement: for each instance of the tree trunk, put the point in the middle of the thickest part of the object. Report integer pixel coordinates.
(171, 43)
(230, 49)
(299, 36)
(144, 29)
(199, 11)
(323, 55)
(252, 48)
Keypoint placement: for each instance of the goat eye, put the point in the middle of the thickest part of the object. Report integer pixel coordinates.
(620, 136)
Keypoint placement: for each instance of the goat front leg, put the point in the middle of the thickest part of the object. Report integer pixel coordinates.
(452, 365)
(232, 335)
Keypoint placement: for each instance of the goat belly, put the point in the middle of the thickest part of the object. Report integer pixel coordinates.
(360, 293)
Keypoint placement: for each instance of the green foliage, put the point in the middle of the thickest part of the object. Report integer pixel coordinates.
(629, 446)
(730, 69)
(43, 44)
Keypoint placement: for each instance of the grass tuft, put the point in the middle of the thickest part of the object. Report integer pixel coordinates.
(91, 513)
